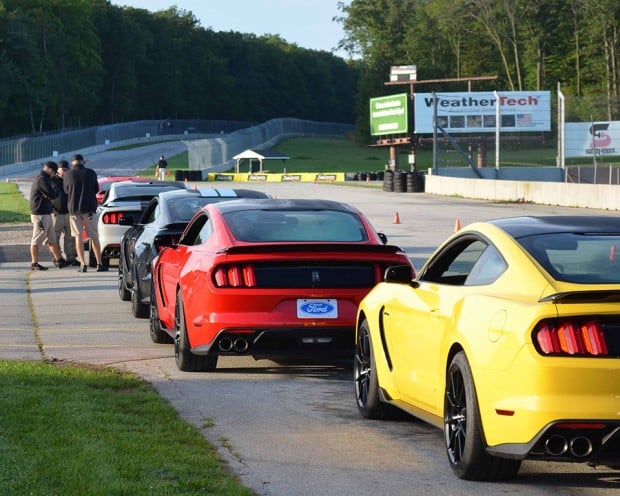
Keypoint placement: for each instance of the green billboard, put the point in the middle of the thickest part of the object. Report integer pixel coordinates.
(389, 115)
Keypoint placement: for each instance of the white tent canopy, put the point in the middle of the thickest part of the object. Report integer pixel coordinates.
(260, 155)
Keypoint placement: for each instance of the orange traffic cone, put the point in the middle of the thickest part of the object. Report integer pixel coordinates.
(612, 253)
(457, 226)
(396, 219)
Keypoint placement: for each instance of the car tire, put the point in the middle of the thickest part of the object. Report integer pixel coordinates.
(138, 309)
(365, 378)
(123, 293)
(158, 335)
(185, 359)
(463, 432)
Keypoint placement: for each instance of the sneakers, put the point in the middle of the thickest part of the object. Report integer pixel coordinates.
(60, 263)
(82, 268)
(102, 268)
(37, 266)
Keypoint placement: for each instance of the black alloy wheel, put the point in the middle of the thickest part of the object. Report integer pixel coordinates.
(123, 293)
(138, 309)
(463, 431)
(158, 335)
(186, 360)
(365, 378)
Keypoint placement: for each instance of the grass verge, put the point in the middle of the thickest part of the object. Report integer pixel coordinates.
(71, 430)
(13, 206)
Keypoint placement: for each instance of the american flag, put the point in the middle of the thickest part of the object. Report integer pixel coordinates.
(524, 120)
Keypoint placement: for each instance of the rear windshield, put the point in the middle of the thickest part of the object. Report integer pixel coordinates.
(295, 225)
(580, 258)
(137, 193)
(183, 208)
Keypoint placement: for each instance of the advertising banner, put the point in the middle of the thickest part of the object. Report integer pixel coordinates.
(389, 115)
(584, 139)
(476, 112)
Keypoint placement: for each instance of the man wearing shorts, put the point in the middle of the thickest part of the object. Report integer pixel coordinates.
(42, 193)
(81, 186)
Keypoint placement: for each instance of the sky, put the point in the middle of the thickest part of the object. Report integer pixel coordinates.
(306, 23)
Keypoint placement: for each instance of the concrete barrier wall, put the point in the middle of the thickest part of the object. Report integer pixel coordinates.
(598, 196)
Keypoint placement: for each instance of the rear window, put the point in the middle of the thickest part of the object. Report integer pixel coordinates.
(182, 209)
(137, 192)
(295, 225)
(579, 258)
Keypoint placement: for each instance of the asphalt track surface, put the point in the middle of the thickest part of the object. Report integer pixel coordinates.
(284, 429)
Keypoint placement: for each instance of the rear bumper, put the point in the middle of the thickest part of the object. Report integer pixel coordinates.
(282, 343)
(595, 442)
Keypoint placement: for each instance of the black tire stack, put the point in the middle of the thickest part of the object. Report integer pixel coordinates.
(388, 180)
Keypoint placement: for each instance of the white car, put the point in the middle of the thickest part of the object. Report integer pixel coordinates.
(125, 198)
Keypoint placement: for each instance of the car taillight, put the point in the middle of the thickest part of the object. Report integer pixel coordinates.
(571, 337)
(234, 276)
(112, 217)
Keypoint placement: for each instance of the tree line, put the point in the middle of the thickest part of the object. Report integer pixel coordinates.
(528, 44)
(75, 63)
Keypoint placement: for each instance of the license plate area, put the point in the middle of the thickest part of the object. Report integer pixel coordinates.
(313, 308)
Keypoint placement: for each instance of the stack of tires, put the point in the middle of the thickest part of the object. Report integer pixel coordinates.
(403, 181)
(388, 180)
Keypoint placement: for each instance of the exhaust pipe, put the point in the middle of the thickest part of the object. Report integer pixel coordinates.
(556, 445)
(580, 446)
(241, 345)
(225, 344)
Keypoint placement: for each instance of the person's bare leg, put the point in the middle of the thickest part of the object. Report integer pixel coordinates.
(96, 249)
(79, 248)
(34, 253)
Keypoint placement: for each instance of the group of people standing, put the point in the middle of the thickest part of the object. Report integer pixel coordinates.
(63, 204)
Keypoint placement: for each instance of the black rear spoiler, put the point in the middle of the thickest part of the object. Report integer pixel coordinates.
(312, 247)
(599, 296)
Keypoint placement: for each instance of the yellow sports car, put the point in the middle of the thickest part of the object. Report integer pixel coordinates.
(508, 339)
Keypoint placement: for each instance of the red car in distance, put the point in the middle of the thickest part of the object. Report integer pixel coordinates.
(270, 278)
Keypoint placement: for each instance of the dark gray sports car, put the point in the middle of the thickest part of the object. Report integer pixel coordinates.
(161, 224)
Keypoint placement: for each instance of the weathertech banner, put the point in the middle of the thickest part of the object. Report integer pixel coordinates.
(584, 139)
(476, 112)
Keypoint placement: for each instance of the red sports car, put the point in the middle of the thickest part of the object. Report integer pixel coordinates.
(270, 278)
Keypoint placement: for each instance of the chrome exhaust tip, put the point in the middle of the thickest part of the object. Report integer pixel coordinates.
(556, 445)
(241, 345)
(580, 446)
(225, 344)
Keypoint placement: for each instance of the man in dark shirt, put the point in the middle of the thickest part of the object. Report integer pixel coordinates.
(60, 217)
(81, 186)
(162, 167)
(42, 193)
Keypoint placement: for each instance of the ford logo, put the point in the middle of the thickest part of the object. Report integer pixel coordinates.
(318, 308)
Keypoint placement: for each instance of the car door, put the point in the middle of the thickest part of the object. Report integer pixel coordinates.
(171, 262)
(423, 315)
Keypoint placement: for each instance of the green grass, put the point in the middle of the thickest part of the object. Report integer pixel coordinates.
(69, 430)
(14, 208)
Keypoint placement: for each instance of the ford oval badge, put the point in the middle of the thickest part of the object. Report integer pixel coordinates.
(316, 308)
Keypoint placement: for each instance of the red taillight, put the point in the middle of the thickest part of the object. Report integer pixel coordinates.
(112, 217)
(573, 338)
(234, 276)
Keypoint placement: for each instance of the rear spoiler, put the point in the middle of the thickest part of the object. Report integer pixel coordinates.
(314, 247)
(599, 296)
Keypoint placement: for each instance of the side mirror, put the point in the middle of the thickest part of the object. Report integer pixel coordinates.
(162, 241)
(402, 274)
(126, 220)
(383, 238)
